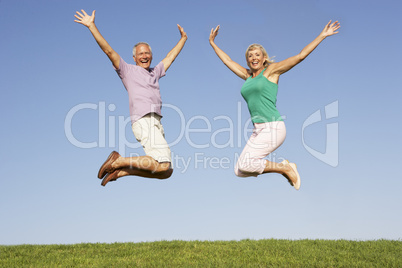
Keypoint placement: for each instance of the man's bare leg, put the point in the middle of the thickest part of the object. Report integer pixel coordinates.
(117, 166)
(142, 163)
(118, 173)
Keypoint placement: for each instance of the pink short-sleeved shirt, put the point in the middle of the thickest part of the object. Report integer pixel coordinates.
(142, 87)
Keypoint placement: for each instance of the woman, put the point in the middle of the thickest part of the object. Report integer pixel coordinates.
(259, 91)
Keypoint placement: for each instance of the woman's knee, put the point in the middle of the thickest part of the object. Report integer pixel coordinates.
(249, 167)
(238, 173)
(241, 169)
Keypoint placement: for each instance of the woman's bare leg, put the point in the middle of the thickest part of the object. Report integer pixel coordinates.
(283, 168)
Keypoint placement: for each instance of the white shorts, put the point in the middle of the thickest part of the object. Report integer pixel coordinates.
(148, 131)
(266, 138)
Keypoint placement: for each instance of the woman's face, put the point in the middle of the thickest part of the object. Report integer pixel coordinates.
(256, 59)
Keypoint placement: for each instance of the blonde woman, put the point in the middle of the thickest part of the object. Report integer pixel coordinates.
(260, 91)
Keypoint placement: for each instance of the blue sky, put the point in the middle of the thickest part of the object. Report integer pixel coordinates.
(51, 67)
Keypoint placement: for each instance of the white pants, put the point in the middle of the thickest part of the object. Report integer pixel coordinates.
(266, 138)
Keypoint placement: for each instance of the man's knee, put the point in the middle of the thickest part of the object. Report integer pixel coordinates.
(164, 170)
(166, 174)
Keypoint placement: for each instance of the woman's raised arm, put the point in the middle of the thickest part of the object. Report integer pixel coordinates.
(285, 65)
(233, 66)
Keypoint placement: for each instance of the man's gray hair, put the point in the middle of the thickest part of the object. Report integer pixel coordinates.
(141, 43)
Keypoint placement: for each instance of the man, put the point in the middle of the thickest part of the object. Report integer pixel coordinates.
(142, 85)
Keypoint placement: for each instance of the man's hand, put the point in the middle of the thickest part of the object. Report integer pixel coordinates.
(84, 18)
(89, 21)
(182, 32)
(213, 34)
(171, 56)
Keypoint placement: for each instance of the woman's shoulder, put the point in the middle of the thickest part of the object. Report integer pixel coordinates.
(270, 74)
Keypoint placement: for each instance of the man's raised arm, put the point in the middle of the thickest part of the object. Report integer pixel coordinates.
(89, 21)
(171, 56)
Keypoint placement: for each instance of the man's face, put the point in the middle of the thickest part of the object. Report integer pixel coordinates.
(143, 56)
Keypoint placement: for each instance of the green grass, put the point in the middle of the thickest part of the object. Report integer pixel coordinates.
(245, 253)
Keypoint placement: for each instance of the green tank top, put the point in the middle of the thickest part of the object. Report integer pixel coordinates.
(260, 95)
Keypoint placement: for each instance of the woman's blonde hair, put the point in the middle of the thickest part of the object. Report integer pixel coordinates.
(264, 52)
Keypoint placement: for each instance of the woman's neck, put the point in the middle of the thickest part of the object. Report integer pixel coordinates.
(257, 72)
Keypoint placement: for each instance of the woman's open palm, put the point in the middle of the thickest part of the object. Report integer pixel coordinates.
(331, 29)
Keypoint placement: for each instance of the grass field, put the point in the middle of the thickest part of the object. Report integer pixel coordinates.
(244, 253)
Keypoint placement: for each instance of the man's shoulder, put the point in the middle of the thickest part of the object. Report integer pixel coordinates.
(128, 67)
(160, 69)
(155, 68)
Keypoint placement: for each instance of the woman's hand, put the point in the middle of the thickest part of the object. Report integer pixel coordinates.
(213, 34)
(233, 66)
(84, 18)
(331, 29)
